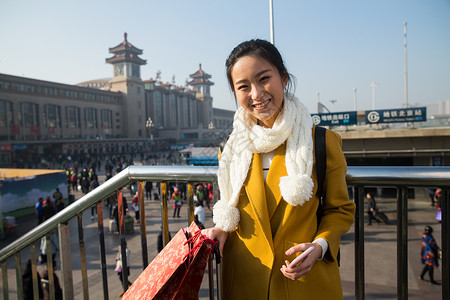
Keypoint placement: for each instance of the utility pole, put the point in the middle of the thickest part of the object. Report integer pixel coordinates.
(373, 84)
(354, 99)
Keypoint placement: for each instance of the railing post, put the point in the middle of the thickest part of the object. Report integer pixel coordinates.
(5, 280)
(34, 271)
(101, 239)
(190, 206)
(402, 243)
(445, 244)
(141, 199)
(211, 276)
(359, 243)
(50, 267)
(66, 261)
(19, 282)
(123, 245)
(165, 217)
(82, 257)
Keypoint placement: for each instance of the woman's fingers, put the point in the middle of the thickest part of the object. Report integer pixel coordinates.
(216, 234)
(297, 248)
(305, 265)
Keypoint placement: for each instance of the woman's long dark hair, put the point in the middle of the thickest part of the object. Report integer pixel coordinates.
(259, 48)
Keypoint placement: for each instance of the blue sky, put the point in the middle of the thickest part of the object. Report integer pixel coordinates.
(331, 47)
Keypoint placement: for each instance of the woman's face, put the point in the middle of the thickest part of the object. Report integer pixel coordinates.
(259, 88)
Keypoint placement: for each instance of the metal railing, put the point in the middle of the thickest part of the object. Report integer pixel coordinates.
(357, 177)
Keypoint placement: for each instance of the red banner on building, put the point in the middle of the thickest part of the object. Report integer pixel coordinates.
(15, 129)
(6, 147)
(35, 129)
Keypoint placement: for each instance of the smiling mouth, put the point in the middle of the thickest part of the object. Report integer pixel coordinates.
(261, 105)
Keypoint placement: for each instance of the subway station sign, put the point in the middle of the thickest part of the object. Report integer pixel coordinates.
(413, 114)
(335, 119)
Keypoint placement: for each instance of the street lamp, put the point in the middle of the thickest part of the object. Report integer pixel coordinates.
(333, 102)
(211, 128)
(149, 125)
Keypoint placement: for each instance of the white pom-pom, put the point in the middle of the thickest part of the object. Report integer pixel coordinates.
(296, 190)
(225, 216)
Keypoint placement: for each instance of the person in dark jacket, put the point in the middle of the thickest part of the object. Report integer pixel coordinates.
(27, 282)
(48, 209)
(372, 209)
(46, 284)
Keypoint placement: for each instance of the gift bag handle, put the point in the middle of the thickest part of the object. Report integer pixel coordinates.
(217, 252)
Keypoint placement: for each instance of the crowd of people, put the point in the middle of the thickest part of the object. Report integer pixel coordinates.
(203, 196)
(47, 208)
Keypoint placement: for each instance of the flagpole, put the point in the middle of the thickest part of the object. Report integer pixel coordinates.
(406, 68)
(272, 35)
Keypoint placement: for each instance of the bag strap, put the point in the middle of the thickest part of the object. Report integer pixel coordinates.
(320, 150)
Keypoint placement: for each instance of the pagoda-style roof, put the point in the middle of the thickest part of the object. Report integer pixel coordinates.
(200, 77)
(151, 80)
(125, 52)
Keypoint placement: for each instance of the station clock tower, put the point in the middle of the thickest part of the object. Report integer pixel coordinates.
(127, 79)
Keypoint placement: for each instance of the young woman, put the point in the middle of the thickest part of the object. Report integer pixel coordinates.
(267, 214)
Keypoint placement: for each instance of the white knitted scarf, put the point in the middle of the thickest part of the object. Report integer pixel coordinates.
(293, 124)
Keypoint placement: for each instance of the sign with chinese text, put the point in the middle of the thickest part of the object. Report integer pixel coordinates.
(335, 119)
(413, 114)
(6, 147)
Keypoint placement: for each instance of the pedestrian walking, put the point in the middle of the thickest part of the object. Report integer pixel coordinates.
(46, 284)
(148, 189)
(199, 212)
(119, 267)
(27, 282)
(429, 254)
(54, 244)
(431, 194)
(177, 203)
(48, 209)
(372, 209)
(135, 206)
(39, 206)
(59, 200)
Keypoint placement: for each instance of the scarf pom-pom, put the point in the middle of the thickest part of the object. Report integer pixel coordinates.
(225, 216)
(296, 190)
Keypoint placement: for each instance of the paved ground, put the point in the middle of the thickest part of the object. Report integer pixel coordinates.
(380, 252)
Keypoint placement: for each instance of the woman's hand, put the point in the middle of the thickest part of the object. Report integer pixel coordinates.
(216, 234)
(305, 265)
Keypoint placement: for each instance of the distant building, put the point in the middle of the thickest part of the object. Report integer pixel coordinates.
(439, 109)
(111, 113)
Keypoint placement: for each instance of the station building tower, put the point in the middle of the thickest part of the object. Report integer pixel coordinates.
(202, 85)
(127, 80)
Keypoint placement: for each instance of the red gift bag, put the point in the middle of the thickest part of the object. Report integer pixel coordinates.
(177, 271)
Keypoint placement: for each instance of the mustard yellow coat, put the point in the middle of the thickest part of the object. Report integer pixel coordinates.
(254, 252)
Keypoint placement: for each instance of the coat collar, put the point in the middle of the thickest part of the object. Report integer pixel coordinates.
(276, 171)
(257, 191)
(254, 187)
